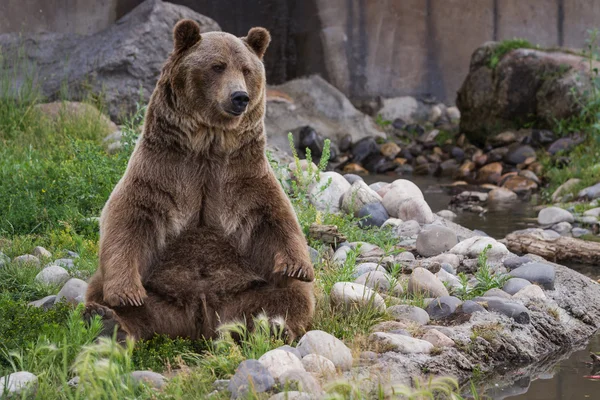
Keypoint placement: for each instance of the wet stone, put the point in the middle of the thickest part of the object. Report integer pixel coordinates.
(536, 272)
(443, 307)
(513, 285)
(515, 311)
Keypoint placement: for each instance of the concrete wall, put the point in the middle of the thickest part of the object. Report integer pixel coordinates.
(365, 47)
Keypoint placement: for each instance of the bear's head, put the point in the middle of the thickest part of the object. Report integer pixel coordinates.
(217, 78)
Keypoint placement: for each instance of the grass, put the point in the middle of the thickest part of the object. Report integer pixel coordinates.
(506, 46)
(486, 279)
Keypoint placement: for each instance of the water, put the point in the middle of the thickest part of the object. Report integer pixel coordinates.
(561, 376)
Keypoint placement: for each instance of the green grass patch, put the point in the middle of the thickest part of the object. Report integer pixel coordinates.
(507, 46)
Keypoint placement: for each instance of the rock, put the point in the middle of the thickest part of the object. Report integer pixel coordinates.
(438, 339)
(383, 342)
(315, 257)
(53, 275)
(41, 252)
(425, 283)
(415, 209)
(372, 215)
(341, 254)
(513, 310)
(447, 214)
(594, 212)
(579, 232)
(518, 90)
(490, 173)
(531, 292)
(27, 259)
(446, 168)
(515, 262)
(562, 228)
(590, 193)
(4, 259)
(352, 178)
(46, 303)
(326, 194)
(503, 139)
(404, 257)
(379, 281)
(513, 285)
(451, 281)
(304, 167)
(364, 149)
(310, 139)
(443, 307)
(472, 247)
(72, 292)
(447, 258)
(449, 268)
(301, 380)
(564, 145)
(409, 313)
(453, 113)
(149, 378)
(123, 61)
(353, 295)
(18, 383)
(408, 229)
(291, 349)
(565, 188)
(292, 395)
(554, 215)
(317, 364)
(358, 196)
(250, 376)
(435, 240)
(399, 191)
(54, 111)
(471, 307)
(502, 195)
(519, 185)
(353, 168)
(517, 154)
(538, 273)
(66, 263)
(495, 292)
(328, 346)
(280, 361)
(363, 268)
(390, 150)
(527, 174)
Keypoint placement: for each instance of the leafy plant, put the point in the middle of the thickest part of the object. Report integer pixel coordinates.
(485, 278)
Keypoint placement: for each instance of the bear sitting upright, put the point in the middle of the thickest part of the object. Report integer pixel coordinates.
(198, 231)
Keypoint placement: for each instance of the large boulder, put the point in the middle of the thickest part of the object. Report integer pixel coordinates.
(122, 62)
(523, 86)
(313, 101)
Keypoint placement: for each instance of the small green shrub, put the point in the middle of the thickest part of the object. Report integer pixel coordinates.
(486, 279)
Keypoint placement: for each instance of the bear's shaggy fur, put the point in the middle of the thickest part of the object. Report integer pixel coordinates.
(198, 230)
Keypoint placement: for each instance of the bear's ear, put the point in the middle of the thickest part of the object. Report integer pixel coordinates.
(186, 34)
(258, 39)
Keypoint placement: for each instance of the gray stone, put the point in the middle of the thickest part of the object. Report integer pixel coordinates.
(594, 212)
(399, 191)
(317, 364)
(341, 254)
(292, 395)
(291, 349)
(579, 232)
(409, 313)
(451, 281)
(301, 380)
(250, 376)
(404, 257)
(495, 292)
(358, 196)
(518, 154)
(379, 281)
(72, 254)
(372, 215)
(531, 292)
(4, 259)
(221, 384)
(562, 228)
(349, 296)
(438, 339)
(471, 307)
(588, 220)
(72, 292)
(513, 285)
(515, 262)
(27, 259)
(66, 263)
(326, 194)
(415, 209)
(447, 214)
(590, 193)
(279, 362)
(18, 383)
(53, 275)
(472, 247)
(553, 215)
(423, 282)
(41, 252)
(502, 195)
(363, 268)
(149, 378)
(408, 228)
(328, 346)
(46, 303)
(447, 258)
(383, 342)
(537, 272)
(448, 268)
(351, 178)
(515, 311)
(434, 240)
(443, 307)
(315, 257)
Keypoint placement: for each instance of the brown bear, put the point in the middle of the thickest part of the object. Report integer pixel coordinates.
(198, 231)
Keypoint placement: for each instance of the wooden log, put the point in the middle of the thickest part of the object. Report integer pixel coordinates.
(562, 249)
(328, 234)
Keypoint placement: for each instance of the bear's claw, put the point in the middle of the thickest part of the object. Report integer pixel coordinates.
(300, 270)
(133, 295)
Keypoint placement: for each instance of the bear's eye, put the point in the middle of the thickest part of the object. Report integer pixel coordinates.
(246, 71)
(219, 67)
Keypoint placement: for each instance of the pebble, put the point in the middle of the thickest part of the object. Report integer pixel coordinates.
(471, 307)
(250, 376)
(423, 282)
(513, 285)
(280, 361)
(150, 378)
(472, 247)
(41, 252)
(372, 215)
(408, 229)
(351, 295)
(515, 262)
(46, 303)
(495, 292)
(318, 365)
(443, 307)
(531, 292)
(17, 383)
(328, 346)
(383, 342)
(515, 311)
(72, 292)
(553, 215)
(27, 259)
(379, 281)
(409, 313)
(291, 349)
(434, 240)
(438, 339)
(447, 214)
(579, 232)
(53, 275)
(301, 380)
(542, 274)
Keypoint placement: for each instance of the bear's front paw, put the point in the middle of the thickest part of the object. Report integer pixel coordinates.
(294, 268)
(124, 293)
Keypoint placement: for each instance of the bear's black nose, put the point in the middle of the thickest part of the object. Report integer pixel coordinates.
(239, 100)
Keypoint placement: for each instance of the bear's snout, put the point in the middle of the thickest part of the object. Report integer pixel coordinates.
(239, 102)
